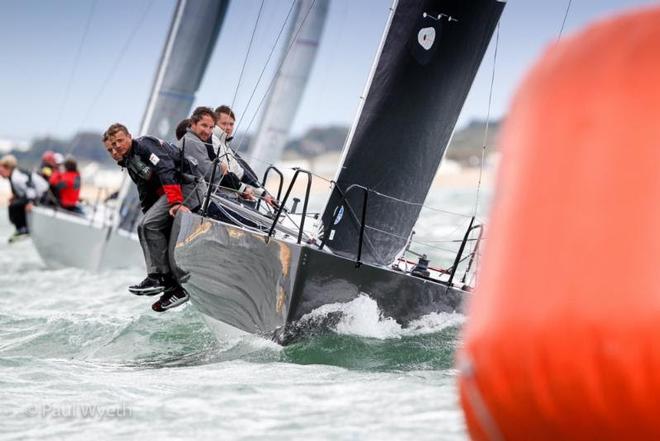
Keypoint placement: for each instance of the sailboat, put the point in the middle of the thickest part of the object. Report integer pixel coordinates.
(247, 280)
(106, 238)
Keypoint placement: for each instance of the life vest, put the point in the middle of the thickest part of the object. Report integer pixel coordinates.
(561, 341)
(67, 187)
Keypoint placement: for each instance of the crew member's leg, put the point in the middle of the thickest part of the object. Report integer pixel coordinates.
(153, 232)
(17, 216)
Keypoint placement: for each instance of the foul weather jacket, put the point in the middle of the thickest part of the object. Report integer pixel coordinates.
(235, 164)
(199, 158)
(154, 166)
(66, 186)
(26, 187)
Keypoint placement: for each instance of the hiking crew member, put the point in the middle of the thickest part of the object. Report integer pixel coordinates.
(195, 144)
(231, 162)
(66, 186)
(49, 164)
(153, 166)
(26, 189)
(197, 149)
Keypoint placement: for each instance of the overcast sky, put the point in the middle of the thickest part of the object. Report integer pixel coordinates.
(44, 91)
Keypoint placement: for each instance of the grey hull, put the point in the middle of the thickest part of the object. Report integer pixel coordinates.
(65, 240)
(235, 277)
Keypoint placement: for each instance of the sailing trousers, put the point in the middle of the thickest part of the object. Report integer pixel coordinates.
(17, 215)
(154, 232)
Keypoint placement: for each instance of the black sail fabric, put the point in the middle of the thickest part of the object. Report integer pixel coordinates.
(430, 56)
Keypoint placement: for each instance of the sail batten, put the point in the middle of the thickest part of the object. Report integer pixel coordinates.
(428, 59)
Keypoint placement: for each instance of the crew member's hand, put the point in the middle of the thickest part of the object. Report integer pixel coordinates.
(248, 194)
(270, 201)
(28, 207)
(223, 167)
(174, 209)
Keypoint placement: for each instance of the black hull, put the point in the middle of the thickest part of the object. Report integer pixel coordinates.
(234, 276)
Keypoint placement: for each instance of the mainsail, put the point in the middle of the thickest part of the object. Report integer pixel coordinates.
(190, 42)
(429, 56)
(193, 32)
(289, 84)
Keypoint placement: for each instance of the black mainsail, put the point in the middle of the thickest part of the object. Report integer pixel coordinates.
(429, 57)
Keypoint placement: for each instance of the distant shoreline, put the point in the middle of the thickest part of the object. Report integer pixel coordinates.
(449, 175)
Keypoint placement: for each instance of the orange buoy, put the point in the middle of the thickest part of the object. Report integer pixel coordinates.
(562, 337)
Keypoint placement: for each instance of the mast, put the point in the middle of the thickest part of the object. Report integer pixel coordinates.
(190, 41)
(290, 81)
(429, 56)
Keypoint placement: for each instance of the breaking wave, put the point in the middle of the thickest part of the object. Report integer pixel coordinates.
(357, 335)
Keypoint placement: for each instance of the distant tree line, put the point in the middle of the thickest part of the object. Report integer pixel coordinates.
(465, 147)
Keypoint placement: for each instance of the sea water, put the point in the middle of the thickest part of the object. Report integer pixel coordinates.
(81, 358)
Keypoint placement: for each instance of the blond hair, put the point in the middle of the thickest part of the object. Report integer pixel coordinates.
(9, 161)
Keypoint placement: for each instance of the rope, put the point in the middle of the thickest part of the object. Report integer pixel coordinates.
(247, 54)
(568, 7)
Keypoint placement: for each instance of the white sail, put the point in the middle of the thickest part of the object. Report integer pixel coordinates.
(64, 239)
(288, 87)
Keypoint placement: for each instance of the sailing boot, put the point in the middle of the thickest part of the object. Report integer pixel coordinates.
(171, 299)
(152, 285)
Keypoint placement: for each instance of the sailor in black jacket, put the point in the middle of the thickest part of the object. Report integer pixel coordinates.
(153, 165)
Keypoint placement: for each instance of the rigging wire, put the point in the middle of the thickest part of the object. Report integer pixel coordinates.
(417, 242)
(76, 61)
(563, 23)
(403, 201)
(115, 66)
(272, 50)
(247, 54)
(330, 181)
(277, 72)
(490, 102)
(318, 176)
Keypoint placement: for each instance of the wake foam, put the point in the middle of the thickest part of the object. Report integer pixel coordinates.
(362, 318)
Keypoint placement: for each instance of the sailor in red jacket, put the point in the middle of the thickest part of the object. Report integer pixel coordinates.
(66, 186)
